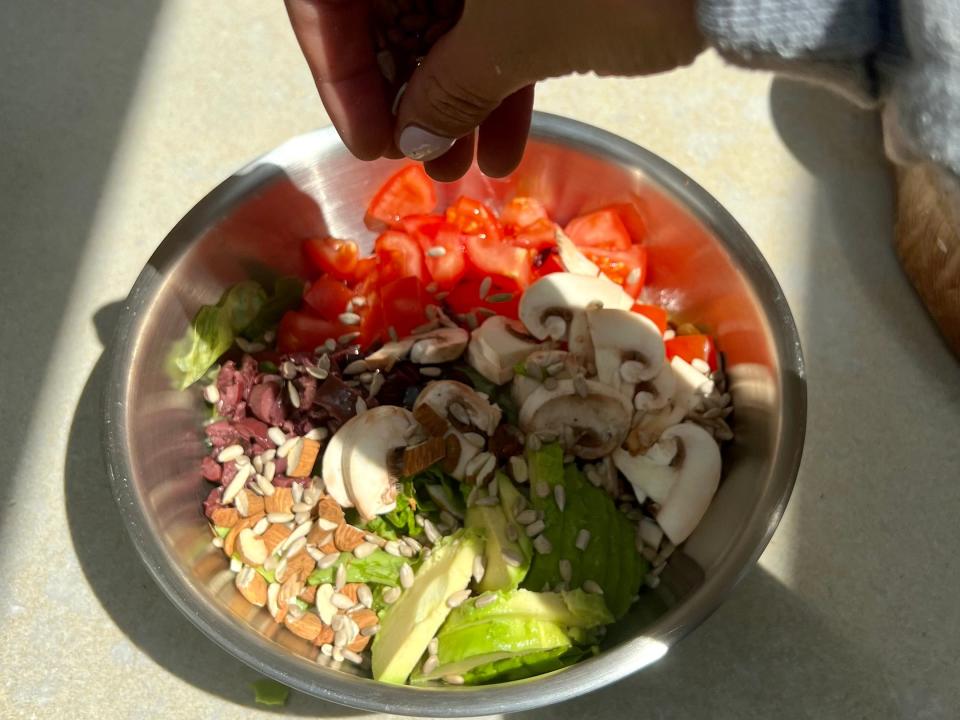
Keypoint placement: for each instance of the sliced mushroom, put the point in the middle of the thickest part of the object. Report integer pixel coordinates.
(522, 388)
(656, 394)
(685, 487)
(497, 346)
(439, 346)
(589, 426)
(549, 306)
(442, 394)
(628, 347)
(389, 354)
(468, 451)
(373, 437)
(572, 259)
(332, 467)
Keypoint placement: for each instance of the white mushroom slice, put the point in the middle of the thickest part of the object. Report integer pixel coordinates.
(503, 343)
(439, 346)
(374, 435)
(522, 388)
(332, 467)
(485, 366)
(564, 296)
(656, 394)
(598, 422)
(690, 383)
(628, 347)
(468, 451)
(441, 394)
(572, 259)
(684, 488)
(389, 354)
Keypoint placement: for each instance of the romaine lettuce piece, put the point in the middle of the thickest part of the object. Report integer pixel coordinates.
(379, 568)
(499, 574)
(519, 667)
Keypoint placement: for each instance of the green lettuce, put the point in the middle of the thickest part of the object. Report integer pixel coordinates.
(270, 692)
(287, 293)
(527, 665)
(379, 567)
(610, 560)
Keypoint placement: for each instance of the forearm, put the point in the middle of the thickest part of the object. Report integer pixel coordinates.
(904, 55)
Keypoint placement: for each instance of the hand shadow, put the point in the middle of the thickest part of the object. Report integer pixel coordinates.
(116, 574)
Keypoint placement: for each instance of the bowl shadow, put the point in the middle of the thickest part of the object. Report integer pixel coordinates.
(119, 580)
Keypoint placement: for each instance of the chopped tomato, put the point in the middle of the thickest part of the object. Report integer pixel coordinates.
(546, 262)
(442, 248)
(522, 212)
(539, 235)
(408, 192)
(625, 267)
(330, 255)
(327, 298)
(404, 304)
(691, 347)
(602, 228)
(493, 257)
(465, 298)
(655, 313)
(365, 267)
(299, 331)
(472, 217)
(400, 256)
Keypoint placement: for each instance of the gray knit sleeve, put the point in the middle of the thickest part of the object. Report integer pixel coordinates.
(903, 54)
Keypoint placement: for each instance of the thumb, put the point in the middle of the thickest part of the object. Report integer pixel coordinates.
(460, 82)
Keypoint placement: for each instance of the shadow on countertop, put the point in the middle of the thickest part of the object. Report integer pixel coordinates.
(121, 583)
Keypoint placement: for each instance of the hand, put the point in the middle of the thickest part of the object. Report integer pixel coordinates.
(475, 87)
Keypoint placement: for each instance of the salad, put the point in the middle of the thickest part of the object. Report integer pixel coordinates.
(461, 458)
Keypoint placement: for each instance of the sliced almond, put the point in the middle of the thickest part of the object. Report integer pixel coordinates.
(290, 589)
(359, 643)
(350, 590)
(452, 452)
(309, 450)
(431, 421)
(229, 542)
(346, 537)
(308, 594)
(363, 618)
(252, 586)
(255, 504)
(300, 565)
(225, 517)
(280, 502)
(274, 535)
(253, 550)
(304, 624)
(325, 636)
(418, 458)
(330, 512)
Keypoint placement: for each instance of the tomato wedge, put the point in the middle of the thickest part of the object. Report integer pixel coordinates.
(332, 256)
(522, 212)
(497, 259)
(442, 248)
(654, 313)
(625, 267)
(400, 256)
(632, 220)
(299, 331)
(602, 228)
(472, 217)
(327, 298)
(404, 304)
(542, 234)
(693, 347)
(408, 192)
(465, 299)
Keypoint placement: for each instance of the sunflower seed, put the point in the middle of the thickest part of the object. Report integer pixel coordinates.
(512, 533)
(511, 557)
(413, 544)
(436, 251)
(296, 491)
(273, 593)
(535, 528)
(341, 601)
(487, 501)
(294, 395)
(542, 545)
(356, 367)
(478, 568)
(651, 581)
(430, 664)
(339, 640)
(360, 406)
(453, 679)
(566, 569)
(365, 596)
(484, 600)
(485, 286)
(700, 365)
(433, 535)
(340, 579)
(406, 576)
(458, 598)
(242, 504)
(231, 452)
(500, 297)
(533, 442)
(556, 327)
(475, 439)
(542, 488)
(249, 347)
(391, 595)
(349, 318)
(287, 446)
(448, 519)
(365, 549)
(431, 371)
(236, 485)
(348, 338)
(583, 539)
(593, 476)
(526, 517)
(591, 586)
(560, 496)
(371, 630)
(459, 413)
(211, 394)
(327, 649)
(493, 489)
(351, 656)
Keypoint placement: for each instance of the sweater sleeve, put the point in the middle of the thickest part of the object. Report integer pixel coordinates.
(901, 54)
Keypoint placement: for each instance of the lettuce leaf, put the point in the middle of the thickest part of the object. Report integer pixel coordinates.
(379, 568)
(519, 667)
(287, 293)
(270, 692)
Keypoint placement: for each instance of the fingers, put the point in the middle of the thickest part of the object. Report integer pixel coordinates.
(455, 162)
(503, 135)
(334, 36)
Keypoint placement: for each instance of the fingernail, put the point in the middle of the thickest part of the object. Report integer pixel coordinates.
(419, 144)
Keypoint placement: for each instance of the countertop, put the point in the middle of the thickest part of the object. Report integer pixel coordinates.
(116, 117)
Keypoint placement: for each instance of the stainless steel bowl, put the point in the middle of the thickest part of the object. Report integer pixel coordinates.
(704, 267)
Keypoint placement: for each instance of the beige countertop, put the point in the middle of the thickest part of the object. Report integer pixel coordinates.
(116, 117)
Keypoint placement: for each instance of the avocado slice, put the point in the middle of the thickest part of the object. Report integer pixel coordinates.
(499, 575)
(408, 625)
(573, 608)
